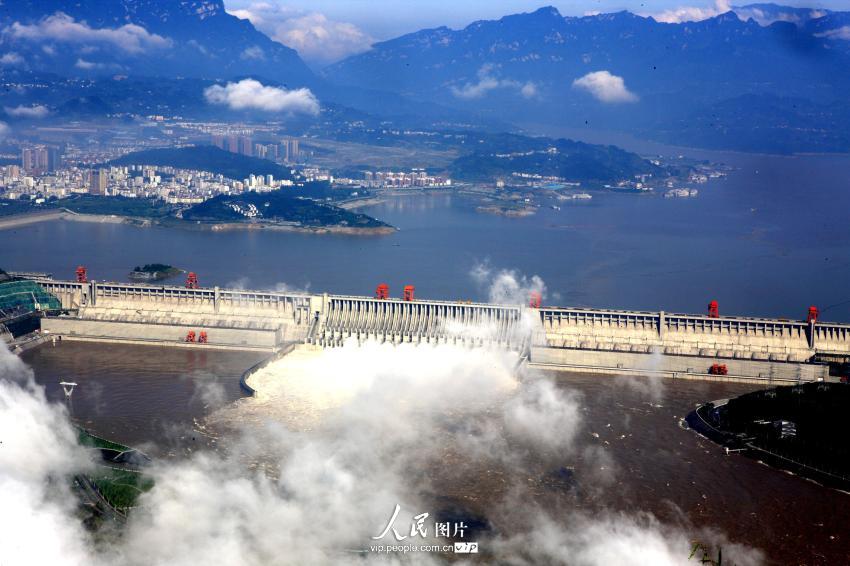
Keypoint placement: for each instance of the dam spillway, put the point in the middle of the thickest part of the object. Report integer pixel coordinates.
(588, 340)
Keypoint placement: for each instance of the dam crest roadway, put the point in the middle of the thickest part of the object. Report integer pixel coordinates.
(688, 346)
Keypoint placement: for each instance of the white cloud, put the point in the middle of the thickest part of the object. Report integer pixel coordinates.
(4, 130)
(317, 38)
(476, 90)
(85, 65)
(249, 94)
(254, 52)
(692, 13)
(838, 33)
(34, 111)
(11, 58)
(759, 15)
(765, 18)
(64, 29)
(488, 80)
(529, 90)
(38, 508)
(605, 87)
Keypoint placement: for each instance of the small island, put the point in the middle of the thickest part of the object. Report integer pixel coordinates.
(280, 210)
(153, 272)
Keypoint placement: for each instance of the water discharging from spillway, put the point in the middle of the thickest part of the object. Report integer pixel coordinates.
(527, 459)
(455, 432)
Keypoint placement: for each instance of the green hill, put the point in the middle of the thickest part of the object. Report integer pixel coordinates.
(575, 161)
(205, 158)
(277, 206)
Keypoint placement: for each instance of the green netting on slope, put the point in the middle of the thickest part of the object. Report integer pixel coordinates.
(20, 296)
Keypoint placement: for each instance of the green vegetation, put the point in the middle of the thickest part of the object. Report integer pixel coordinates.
(89, 440)
(120, 488)
(91, 204)
(574, 161)
(153, 268)
(153, 271)
(280, 206)
(205, 158)
(9, 207)
(705, 554)
(277, 207)
(119, 206)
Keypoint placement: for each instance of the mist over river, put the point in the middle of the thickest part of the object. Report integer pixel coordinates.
(769, 240)
(620, 453)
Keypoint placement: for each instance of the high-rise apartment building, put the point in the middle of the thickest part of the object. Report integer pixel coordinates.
(289, 150)
(40, 159)
(99, 181)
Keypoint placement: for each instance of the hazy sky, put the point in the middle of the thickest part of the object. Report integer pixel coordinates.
(383, 19)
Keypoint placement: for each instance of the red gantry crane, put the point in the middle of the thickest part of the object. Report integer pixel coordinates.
(382, 291)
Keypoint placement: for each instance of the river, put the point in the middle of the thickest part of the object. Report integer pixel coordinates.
(153, 397)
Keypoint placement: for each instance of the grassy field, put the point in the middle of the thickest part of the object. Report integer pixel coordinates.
(90, 204)
(121, 488)
(91, 441)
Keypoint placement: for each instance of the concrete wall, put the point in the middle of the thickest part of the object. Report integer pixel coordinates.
(71, 328)
(696, 335)
(398, 321)
(572, 338)
(623, 363)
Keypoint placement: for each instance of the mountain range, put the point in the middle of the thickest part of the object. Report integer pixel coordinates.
(620, 70)
(762, 77)
(162, 38)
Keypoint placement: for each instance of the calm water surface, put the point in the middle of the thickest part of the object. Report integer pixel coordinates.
(140, 395)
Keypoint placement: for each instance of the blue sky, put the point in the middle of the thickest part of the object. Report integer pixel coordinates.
(383, 19)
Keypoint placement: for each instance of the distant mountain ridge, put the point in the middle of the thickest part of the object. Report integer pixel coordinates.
(553, 50)
(762, 77)
(166, 38)
(529, 66)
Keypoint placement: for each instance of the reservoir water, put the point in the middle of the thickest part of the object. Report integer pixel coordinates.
(769, 240)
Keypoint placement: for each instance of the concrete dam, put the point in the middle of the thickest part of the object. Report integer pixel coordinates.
(586, 340)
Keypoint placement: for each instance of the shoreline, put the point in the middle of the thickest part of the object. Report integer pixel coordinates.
(19, 220)
(731, 442)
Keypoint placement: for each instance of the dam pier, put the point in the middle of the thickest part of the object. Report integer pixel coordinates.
(583, 340)
(617, 342)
